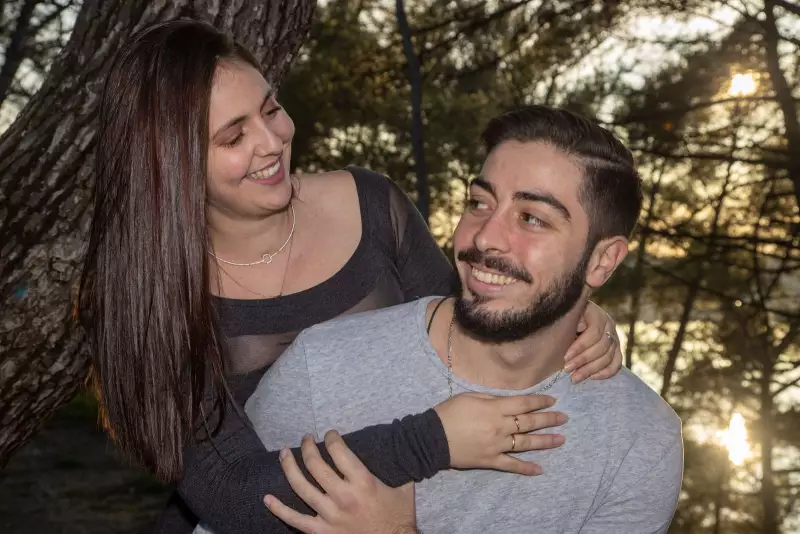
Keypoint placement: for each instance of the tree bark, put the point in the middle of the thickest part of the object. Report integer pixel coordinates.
(417, 139)
(45, 188)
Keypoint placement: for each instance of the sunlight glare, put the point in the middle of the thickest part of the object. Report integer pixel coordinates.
(734, 438)
(742, 85)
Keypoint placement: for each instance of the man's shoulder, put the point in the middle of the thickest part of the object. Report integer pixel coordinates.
(363, 326)
(635, 404)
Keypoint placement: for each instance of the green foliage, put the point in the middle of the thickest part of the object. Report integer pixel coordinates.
(719, 231)
(712, 280)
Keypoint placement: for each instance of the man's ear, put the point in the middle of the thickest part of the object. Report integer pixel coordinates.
(606, 257)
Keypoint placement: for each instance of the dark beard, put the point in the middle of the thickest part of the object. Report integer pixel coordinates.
(504, 327)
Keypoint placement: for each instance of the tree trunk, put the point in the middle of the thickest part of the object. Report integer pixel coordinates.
(417, 140)
(45, 185)
(783, 92)
(638, 275)
(769, 503)
(719, 496)
(694, 288)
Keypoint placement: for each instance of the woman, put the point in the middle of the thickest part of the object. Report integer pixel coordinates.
(206, 259)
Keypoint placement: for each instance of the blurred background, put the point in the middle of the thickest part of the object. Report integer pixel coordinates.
(706, 94)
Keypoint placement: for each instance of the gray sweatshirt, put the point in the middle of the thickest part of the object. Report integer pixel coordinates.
(619, 471)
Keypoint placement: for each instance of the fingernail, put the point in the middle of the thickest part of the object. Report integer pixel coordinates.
(537, 470)
(569, 367)
(562, 418)
(568, 356)
(559, 440)
(269, 500)
(283, 454)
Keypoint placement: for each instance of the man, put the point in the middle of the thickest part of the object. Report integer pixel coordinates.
(548, 221)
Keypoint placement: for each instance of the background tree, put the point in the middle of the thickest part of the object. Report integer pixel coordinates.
(717, 252)
(45, 182)
(706, 94)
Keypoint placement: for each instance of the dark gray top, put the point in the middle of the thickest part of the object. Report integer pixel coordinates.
(396, 261)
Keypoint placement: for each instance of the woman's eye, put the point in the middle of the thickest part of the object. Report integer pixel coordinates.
(271, 112)
(235, 141)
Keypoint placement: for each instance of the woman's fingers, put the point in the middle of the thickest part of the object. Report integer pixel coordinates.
(535, 442)
(510, 464)
(596, 322)
(293, 518)
(529, 422)
(596, 357)
(345, 460)
(304, 489)
(357, 503)
(524, 403)
(593, 366)
(611, 369)
(318, 468)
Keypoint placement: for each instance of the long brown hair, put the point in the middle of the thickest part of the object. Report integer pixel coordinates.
(145, 299)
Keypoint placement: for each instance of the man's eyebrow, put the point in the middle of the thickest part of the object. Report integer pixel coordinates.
(546, 198)
(483, 184)
(242, 118)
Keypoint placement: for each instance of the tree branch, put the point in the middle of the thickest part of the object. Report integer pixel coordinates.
(14, 53)
(786, 101)
(788, 6)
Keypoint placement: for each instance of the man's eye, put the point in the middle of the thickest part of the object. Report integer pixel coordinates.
(531, 220)
(475, 204)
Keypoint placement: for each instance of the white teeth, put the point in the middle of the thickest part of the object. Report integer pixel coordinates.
(275, 168)
(263, 174)
(491, 278)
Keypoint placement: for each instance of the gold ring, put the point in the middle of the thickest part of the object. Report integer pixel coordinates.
(513, 442)
(516, 422)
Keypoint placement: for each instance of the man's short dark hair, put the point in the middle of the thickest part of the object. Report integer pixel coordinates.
(611, 192)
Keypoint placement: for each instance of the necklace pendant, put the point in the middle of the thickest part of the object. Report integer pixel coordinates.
(267, 258)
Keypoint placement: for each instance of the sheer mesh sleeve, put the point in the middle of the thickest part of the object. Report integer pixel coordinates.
(423, 268)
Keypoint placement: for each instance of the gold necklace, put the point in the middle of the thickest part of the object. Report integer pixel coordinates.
(267, 257)
(283, 279)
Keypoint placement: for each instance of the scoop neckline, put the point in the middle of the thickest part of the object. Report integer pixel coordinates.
(312, 293)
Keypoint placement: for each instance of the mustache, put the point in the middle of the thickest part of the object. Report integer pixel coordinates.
(501, 265)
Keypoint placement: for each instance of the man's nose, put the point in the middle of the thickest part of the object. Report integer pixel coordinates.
(493, 235)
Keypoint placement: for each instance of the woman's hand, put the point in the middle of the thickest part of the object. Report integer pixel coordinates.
(481, 430)
(356, 502)
(595, 353)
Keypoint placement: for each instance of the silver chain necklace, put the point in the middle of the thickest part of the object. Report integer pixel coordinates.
(267, 257)
(450, 362)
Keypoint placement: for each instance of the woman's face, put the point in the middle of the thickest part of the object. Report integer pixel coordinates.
(250, 145)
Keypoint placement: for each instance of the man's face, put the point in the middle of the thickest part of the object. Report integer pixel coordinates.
(521, 245)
